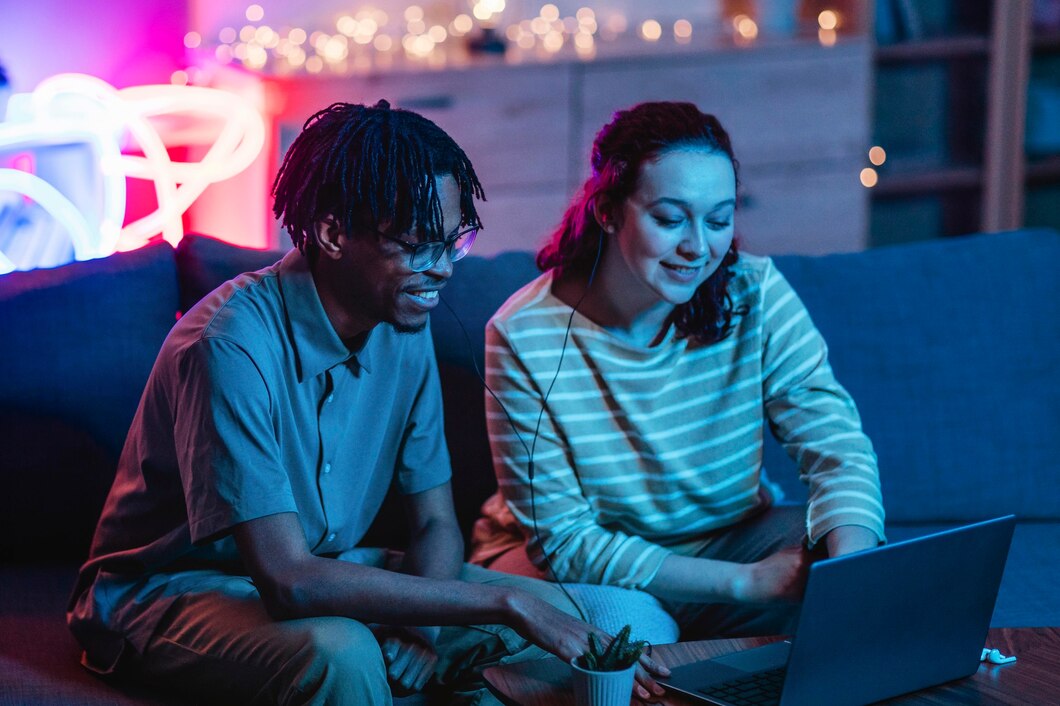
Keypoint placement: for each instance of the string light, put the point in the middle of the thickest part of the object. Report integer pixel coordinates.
(683, 31)
(746, 28)
(828, 19)
(426, 31)
(650, 30)
(877, 155)
(869, 177)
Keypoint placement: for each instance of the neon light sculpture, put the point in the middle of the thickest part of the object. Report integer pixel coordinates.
(79, 109)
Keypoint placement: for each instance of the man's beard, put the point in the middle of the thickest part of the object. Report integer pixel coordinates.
(409, 328)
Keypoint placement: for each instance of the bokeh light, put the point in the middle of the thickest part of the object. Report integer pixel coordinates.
(651, 30)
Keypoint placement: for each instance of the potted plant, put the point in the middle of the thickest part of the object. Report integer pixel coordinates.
(603, 676)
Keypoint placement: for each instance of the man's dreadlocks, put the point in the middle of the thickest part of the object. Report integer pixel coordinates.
(373, 168)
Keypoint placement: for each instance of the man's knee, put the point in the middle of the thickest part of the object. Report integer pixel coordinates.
(339, 661)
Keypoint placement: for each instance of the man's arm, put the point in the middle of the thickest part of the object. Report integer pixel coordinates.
(296, 584)
(435, 550)
(436, 547)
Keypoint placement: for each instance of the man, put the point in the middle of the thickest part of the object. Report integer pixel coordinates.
(279, 410)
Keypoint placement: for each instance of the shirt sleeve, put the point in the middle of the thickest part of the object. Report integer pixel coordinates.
(814, 417)
(227, 448)
(423, 461)
(579, 549)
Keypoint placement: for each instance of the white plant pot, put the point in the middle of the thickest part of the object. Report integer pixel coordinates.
(602, 688)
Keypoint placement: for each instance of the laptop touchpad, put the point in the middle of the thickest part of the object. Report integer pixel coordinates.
(702, 674)
(768, 656)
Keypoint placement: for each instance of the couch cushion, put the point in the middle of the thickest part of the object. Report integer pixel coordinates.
(56, 477)
(205, 263)
(39, 659)
(950, 350)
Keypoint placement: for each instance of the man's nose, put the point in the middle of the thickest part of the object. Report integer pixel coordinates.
(442, 267)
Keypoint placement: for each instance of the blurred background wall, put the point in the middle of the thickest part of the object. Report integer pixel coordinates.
(857, 123)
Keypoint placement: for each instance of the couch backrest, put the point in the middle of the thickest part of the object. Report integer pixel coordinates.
(476, 290)
(78, 344)
(951, 349)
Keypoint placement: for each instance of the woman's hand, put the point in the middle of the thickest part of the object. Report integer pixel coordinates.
(780, 577)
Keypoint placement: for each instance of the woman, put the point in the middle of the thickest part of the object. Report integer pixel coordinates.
(635, 375)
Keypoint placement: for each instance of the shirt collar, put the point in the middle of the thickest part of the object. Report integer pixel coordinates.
(316, 345)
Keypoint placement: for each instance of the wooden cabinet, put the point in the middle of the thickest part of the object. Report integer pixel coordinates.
(798, 113)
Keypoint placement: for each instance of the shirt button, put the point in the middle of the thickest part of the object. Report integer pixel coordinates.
(327, 468)
(330, 398)
(331, 537)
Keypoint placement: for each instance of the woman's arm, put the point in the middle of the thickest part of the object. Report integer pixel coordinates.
(521, 363)
(778, 577)
(848, 539)
(816, 421)
(577, 546)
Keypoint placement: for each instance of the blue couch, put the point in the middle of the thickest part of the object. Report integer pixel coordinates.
(951, 349)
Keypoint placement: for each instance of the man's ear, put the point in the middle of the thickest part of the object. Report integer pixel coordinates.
(328, 237)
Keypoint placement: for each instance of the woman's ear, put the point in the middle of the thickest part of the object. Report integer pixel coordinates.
(604, 213)
(328, 235)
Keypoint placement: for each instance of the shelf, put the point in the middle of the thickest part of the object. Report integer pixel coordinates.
(1043, 171)
(958, 47)
(917, 182)
(1046, 42)
(928, 181)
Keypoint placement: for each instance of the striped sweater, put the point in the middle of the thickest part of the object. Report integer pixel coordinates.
(641, 449)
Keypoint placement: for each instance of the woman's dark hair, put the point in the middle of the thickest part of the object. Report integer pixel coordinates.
(633, 137)
(373, 168)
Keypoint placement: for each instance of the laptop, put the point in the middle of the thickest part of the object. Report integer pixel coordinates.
(872, 625)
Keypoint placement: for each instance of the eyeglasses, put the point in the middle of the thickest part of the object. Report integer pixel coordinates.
(422, 256)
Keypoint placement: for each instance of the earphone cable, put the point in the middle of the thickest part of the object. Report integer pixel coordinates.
(537, 428)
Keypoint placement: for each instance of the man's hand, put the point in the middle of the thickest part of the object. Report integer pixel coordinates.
(567, 638)
(780, 577)
(409, 656)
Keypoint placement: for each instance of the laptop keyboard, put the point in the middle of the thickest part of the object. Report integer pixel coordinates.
(758, 689)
